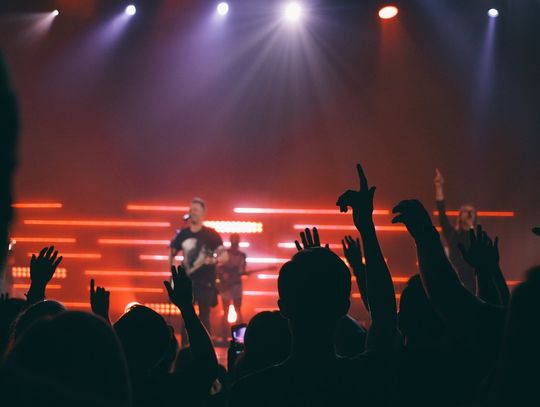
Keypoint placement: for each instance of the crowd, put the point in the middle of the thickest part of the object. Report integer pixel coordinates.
(449, 344)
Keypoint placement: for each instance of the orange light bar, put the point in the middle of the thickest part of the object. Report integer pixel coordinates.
(135, 289)
(290, 211)
(157, 208)
(44, 239)
(387, 228)
(88, 256)
(267, 276)
(127, 273)
(487, 214)
(32, 205)
(261, 293)
(241, 244)
(144, 242)
(292, 245)
(158, 257)
(223, 226)
(107, 223)
(24, 272)
(51, 286)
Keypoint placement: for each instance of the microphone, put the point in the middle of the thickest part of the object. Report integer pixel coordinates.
(186, 217)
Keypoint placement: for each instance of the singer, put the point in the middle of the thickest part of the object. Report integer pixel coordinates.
(203, 249)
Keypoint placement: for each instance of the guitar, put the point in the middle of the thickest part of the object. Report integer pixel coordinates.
(206, 257)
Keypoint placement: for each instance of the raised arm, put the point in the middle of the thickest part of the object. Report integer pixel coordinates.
(465, 313)
(99, 301)
(42, 269)
(483, 256)
(353, 253)
(382, 334)
(181, 295)
(447, 229)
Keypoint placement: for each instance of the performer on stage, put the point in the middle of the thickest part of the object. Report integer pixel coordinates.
(459, 234)
(229, 281)
(202, 249)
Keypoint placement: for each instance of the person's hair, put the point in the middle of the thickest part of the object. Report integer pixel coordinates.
(9, 310)
(46, 309)
(148, 341)
(314, 284)
(199, 201)
(73, 359)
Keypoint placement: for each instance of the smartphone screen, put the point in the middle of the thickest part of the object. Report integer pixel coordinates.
(237, 333)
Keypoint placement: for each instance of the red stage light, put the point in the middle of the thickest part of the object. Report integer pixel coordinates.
(37, 205)
(87, 256)
(24, 272)
(223, 226)
(493, 214)
(157, 208)
(44, 239)
(388, 12)
(127, 273)
(298, 211)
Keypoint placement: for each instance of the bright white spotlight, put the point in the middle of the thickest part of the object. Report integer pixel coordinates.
(222, 8)
(293, 11)
(388, 12)
(131, 10)
(493, 12)
(55, 13)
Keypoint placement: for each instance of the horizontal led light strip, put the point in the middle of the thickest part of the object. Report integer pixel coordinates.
(254, 260)
(107, 223)
(36, 205)
(127, 273)
(87, 256)
(24, 272)
(276, 294)
(44, 239)
(135, 242)
(224, 226)
(156, 208)
(149, 242)
(390, 228)
(69, 304)
(487, 214)
(297, 211)
(292, 245)
(49, 286)
(275, 277)
(135, 289)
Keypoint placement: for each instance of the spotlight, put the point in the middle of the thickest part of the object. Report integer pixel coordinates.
(293, 11)
(493, 12)
(388, 12)
(131, 10)
(222, 8)
(55, 13)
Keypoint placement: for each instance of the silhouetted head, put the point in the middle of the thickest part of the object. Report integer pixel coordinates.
(235, 240)
(350, 337)
(267, 339)
(197, 211)
(418, 321)
(467, 218)
(314, 287)
(517, 375)
(149, 343)
(46, 309)
(73, 359)
(9, 129)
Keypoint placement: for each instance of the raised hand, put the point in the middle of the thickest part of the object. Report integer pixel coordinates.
(483, 253)
(438, 181)
(415, 217)
(181, 291)
(99, 300)
(43, 266)
(309, 240)
(353, 253)
(360, 201)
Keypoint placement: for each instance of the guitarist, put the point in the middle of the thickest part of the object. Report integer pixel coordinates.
(202, 248)
(229, 280)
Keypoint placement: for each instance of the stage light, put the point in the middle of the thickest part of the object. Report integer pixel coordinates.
(493, 12)
(222, 8)
(55, 13)
(130, 305)
(388, 12)
(131, 10)
(232, 316)
(293, 11)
